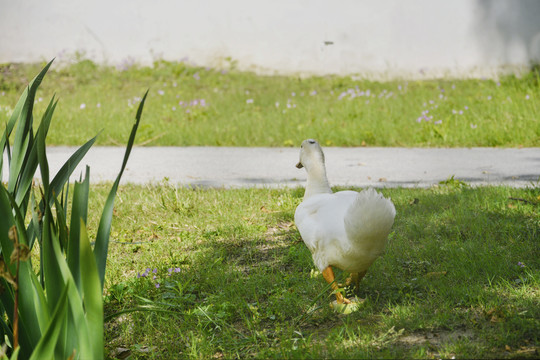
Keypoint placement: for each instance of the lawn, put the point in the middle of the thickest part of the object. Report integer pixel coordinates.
(190, 105)
(224, 274)
(215, 273)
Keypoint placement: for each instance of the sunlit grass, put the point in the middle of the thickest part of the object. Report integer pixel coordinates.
(460, 277)
(190, 105)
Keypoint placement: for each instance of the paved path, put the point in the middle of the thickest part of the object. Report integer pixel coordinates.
(275, 167)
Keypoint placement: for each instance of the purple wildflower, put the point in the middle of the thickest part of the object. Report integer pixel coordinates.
(145, 273)
(249, 101)
(196, 76)
(157, 286)
(520, 264)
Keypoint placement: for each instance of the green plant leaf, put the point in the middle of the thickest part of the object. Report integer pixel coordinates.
(32, 314)
(92, 294)
(31, 163)
(104, 229)
(46, 346)
(57, 276)
(79, 210)
(54, 281)
(61, 225)
(23, 114)
(43, 165)
(62, 176)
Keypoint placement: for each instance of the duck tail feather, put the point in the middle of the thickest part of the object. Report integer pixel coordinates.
(370, 218)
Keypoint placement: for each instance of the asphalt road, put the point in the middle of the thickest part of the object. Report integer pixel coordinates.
(232, 167)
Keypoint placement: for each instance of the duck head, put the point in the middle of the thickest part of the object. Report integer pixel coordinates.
(311, 154)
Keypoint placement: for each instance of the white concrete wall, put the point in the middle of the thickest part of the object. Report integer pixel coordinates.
(369, 37)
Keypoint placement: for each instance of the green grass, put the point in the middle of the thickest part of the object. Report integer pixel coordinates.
(460, 277)
(243, 109)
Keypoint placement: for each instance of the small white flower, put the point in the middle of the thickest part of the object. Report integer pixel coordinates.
(249, 101)
(83, 106)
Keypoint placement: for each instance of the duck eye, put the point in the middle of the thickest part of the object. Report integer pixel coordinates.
(311, 141)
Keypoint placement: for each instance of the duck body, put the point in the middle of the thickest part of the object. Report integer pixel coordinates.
(347, 229)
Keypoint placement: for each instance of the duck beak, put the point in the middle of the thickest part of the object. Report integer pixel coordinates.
(299, 165)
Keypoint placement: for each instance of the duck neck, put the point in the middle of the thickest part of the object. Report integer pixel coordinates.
(317, 182)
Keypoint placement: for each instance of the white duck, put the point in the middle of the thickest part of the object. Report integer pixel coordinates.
(346, 229)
